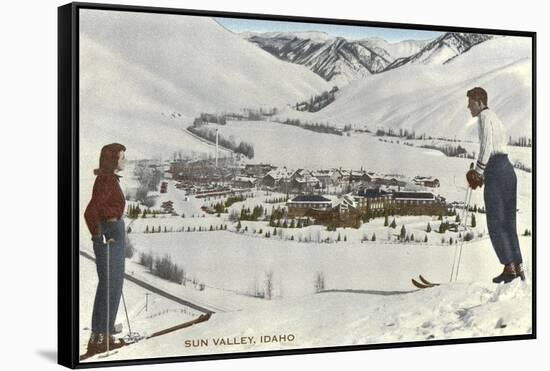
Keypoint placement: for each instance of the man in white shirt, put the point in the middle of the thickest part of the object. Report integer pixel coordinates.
(494, 170)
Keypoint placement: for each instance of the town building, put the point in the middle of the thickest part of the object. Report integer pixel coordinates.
(257, 170)
(417, 203)
(244, 182)
(426, 181)
(280, 177)
(306, 205)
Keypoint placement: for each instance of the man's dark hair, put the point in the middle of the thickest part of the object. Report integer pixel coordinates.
(108, 159)
(477, 94)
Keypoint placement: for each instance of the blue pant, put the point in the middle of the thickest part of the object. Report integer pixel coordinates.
(101, 321)
(500, 204)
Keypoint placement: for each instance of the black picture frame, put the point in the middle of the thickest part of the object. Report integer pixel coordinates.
(68, 182)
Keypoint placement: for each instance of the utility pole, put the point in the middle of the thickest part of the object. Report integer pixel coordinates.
(216, 148)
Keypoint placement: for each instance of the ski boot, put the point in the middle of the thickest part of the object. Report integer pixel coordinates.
(101, 343)
(508, 274)
(519, 271)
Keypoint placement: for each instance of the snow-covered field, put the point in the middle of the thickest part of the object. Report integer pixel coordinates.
(233, 261)
(356, 317)
(515, 153)
(367, 298)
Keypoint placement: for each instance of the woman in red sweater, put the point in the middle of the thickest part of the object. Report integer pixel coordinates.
(103, 217)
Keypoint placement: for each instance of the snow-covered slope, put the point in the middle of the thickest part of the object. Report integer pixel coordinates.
(366, 301)
(398, 49)
(135, 66)
(432, 99)
(442, 49)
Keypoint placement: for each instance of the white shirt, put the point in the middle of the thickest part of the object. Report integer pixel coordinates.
(492, 138)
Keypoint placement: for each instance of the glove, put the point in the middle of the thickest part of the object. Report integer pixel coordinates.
(474, 179)
(97, 238)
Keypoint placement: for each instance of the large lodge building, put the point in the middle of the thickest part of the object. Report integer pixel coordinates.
(349, 209)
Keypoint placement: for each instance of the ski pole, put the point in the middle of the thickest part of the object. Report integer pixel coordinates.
(465, 227)
(108, 288)
(456, 247)
(464, 215)
(127, 318)
(132, 336)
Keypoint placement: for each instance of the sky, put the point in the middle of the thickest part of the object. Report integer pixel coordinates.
(348, 32)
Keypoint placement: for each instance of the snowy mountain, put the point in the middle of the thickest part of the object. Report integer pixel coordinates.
(136, 69)
(433, 99)
(442, 49)
(336, 59)
(316, 36)
(396, 50)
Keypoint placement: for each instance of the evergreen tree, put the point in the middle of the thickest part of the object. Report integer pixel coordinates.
(373, 237)
(146, 229)
(412, 237)
(429, 228)
(393, 224)
(473, 220)
(426, 238)
(386, 221)
(339, 238)
(292, 224)
(403, 232)
(457, 219)
(239, 226)
(345, 238)
(211, 228)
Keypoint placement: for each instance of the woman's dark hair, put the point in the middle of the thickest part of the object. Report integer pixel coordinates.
(108, 159)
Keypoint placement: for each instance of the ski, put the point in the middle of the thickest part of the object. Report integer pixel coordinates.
(104, 353)
(123, 343)
(420, 285)
(426, 282)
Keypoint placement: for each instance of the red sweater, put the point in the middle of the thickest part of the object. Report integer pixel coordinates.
(107, 201)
